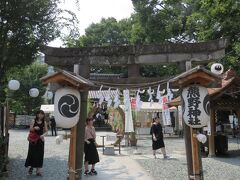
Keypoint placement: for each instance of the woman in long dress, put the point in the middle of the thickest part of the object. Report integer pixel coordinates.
(90, 148)
(157, 138)
(36, 149)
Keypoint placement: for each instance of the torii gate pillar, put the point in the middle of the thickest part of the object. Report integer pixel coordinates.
(84, 71)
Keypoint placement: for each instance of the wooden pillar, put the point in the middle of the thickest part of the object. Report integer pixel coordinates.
(78, 132)
(187, 133)
(188, 147)
(196, 158)
(84, 71)
(72, 154)
(73, 143)
(211, 136)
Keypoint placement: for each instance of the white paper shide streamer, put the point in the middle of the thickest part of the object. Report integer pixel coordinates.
(150, 93)
(116, 100)
(108, 98)
(138, 99)
(159, 96)
(169, 93)
(100, 96)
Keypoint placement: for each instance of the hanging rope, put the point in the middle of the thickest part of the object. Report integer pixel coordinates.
(130, 86)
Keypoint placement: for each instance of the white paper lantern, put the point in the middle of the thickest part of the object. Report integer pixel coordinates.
(201, 138)
(13, 85)
(59, 139)
(196, 106)
(34, 92)
(67, 107)
(217, 68)
(49, 95)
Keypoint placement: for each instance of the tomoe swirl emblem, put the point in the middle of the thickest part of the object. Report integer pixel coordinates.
(68, 105)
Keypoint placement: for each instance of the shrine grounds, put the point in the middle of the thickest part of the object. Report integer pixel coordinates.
(125, 166)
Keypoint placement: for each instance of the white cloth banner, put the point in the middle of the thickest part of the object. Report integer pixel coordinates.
(180, 119)
(165, 112)
(128, 112)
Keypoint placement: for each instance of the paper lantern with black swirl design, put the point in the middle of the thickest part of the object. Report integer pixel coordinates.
(66, 107)
(195, 106)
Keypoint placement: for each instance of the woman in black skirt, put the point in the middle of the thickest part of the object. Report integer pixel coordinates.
(90, 148)
(157, 138)
(36, 149)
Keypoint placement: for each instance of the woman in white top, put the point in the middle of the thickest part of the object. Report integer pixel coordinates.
(90, 148)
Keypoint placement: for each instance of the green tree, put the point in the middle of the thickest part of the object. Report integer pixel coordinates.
(161, 21)
(25, 26)
(190, 21)
(20, 101)
(112, 32)
(216, 19)
(107, 32)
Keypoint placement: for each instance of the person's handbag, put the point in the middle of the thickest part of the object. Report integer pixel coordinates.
(33, 137)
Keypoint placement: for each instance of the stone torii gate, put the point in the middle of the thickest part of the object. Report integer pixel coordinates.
(135, 56)
(132, 57)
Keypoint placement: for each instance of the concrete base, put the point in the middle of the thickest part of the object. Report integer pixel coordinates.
(109, 150)
(211, 155)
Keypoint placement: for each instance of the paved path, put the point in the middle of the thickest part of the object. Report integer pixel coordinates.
(118, 167)
(122, 167)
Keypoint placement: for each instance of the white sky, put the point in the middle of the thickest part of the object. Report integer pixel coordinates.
(92, 11)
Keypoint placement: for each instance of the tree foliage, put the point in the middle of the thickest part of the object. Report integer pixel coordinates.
(158, 21)
(108, 32)
(191, 21)
(26, 25)
(217, 19)
(162, 21)
(20, 101)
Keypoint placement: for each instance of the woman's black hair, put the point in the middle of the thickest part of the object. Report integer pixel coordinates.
(89, 119)
(153, 120)
(40, 112)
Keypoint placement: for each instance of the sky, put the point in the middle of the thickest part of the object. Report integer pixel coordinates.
(92, 11)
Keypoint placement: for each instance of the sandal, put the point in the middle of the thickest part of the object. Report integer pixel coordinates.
(39, 174)
(94, 172)
(30, 171)
(87, 173)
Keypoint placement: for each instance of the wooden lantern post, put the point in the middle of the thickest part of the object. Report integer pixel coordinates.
(66, 79)
(201, 77)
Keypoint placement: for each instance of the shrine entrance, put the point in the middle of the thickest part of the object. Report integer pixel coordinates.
(80, 60)
(225, 116)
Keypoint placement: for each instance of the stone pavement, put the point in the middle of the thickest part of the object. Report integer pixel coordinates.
(126, 166)
(118, 167)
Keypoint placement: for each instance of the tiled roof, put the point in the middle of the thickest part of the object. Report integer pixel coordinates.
(227, 79)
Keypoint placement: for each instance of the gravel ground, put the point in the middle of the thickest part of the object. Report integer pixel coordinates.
(224, 168)
(56, 158)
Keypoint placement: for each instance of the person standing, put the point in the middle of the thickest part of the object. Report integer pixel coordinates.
(36, 149)
(53, 125)
(90, 148)
(157, 138)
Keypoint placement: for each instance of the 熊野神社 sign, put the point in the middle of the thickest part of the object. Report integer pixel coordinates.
(195, 103)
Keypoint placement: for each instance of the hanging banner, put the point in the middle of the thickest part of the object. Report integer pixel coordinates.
(165, 112)
(133, 103)
(67, 107)
(195, 102)
(180, 119)
(128, 112)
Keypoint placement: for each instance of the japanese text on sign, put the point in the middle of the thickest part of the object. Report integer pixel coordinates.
(193, 106)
